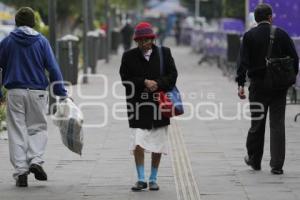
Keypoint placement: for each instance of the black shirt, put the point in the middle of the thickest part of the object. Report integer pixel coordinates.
(254, 49)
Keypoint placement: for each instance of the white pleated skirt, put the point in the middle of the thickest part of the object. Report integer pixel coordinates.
(154, 140)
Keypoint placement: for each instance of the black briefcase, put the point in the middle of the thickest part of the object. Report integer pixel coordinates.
(280, 73)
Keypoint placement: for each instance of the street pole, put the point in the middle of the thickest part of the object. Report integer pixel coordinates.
(90, 12)
(197, 8)
(108, 32)
(85, 40)
(52, 40)
(247, 10)
(52, 23)
(140, 8)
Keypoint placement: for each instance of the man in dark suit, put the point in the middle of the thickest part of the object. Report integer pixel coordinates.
(253, 63)
(127, 33)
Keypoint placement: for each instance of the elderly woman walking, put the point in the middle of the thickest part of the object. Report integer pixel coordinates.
(141, 75)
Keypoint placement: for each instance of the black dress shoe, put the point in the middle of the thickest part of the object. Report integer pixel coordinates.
(153, 186)
(138, 186)
(22, 181)
(249, 162)
(276, 171)
(38, 172)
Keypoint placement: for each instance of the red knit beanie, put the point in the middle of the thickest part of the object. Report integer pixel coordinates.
(143, 30)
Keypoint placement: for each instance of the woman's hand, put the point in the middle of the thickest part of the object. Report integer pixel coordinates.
(151, 85)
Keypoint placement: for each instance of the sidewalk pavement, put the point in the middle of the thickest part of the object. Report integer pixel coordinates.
(205, 160)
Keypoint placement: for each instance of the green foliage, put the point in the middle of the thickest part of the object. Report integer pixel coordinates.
(126, 5)
(218, 8)
(234, 9)
(64, 7)
(67, 8)
(120, 4)
(39, 5)
(35, 4)
(40, 26)
(73, 8)
(211, 9)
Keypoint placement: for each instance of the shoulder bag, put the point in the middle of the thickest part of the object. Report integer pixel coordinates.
(280, 73)
(170, 103)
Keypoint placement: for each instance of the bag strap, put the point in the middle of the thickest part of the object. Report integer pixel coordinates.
(161, 60)
(272, 37)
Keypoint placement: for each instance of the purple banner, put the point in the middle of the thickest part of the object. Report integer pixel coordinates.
(229, 24)
(215, 44)
(286, 14)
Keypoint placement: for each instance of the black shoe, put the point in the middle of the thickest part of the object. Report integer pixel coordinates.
(153, 186)
(139, 186)
(251, 164)
(22, 181)
(38, 172)
(276, 171)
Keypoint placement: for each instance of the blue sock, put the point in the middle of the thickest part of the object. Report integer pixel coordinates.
(140, 172)
(153, 175)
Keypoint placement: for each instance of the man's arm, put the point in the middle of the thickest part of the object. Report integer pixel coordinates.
(242, 66)
(290, 50)
(243, 62)
(54, 72)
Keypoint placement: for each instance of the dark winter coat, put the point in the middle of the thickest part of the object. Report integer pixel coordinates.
(254, 50)
(142, 106)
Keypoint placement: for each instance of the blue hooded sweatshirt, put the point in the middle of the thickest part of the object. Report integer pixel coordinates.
(25, 58)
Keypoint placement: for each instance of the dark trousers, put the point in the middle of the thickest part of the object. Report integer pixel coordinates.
(260, 103)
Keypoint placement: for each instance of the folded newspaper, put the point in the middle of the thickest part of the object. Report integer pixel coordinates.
(69, 119)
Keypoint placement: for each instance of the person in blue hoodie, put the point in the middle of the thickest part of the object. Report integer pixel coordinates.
(25, 56)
